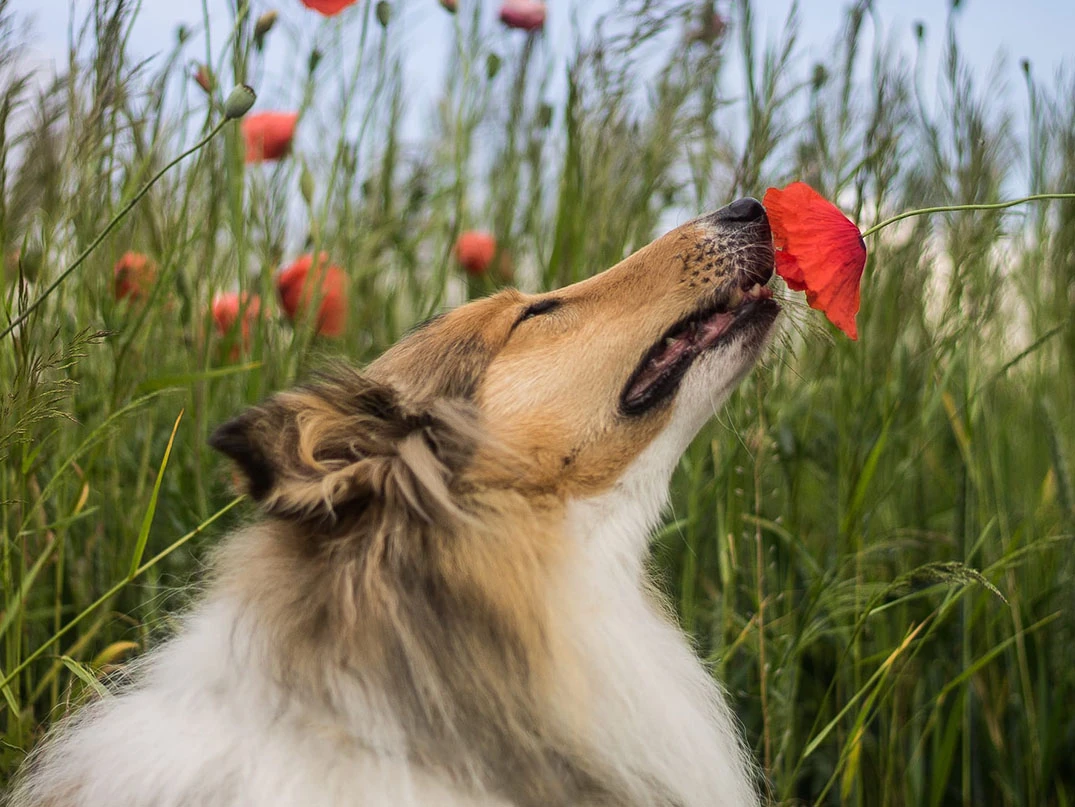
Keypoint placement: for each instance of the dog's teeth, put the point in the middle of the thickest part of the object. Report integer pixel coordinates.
(669, 341)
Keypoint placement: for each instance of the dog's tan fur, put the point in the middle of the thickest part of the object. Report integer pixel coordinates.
(416, 526)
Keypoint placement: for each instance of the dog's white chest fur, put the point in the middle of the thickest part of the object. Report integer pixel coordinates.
(656, 711)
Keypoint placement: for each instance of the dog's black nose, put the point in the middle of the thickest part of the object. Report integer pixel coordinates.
(741, 211)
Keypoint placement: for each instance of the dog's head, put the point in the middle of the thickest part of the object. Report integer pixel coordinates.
(552, 394)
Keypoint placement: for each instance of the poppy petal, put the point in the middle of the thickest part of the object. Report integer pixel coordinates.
(297, 288)
(268, 135)
(819, 251)
(328, 7)
(788, 268)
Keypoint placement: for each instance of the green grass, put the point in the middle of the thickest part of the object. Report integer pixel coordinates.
(873, 543)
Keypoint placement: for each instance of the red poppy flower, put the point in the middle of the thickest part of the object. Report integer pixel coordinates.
(449, 5)
(818, 250)
(527, 15)
(268, 135)
(328, 7)
(297, 288)
(226, 309)
(475, 250)
(133, 275)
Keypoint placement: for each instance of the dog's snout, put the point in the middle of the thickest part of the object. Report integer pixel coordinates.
(740, 236)
(741, 211)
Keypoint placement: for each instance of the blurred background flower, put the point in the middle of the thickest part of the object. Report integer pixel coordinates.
(474, 250)
(268, 135)
(226, 311)
(133, 276)
(301, 284)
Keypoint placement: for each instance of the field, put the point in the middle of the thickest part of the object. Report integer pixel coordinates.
(872, 543)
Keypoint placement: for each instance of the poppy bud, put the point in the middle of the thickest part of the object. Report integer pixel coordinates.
(264, 24)
(492, 66)
(306, 185)
(314, 60)
(544, 116)
(820, 77)
(526, 15)
(384, 13)
(203, 79)
(239, 101)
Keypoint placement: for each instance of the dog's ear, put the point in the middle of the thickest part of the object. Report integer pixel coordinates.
(345, 443)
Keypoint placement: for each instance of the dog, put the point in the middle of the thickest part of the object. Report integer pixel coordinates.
(446, 599)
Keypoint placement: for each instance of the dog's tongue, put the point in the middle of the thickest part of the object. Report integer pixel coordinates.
(712, 329)
(655, 368)
(697, 337)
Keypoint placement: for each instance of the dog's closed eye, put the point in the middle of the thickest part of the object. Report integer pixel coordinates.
(535, 309)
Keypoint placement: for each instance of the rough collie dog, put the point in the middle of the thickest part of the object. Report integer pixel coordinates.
(446, 600)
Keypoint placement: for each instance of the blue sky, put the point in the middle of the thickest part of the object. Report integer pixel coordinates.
(1040, 30)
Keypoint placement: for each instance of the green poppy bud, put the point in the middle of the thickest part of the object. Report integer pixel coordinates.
(306, 185)
(262, 27)
(239, 101)
(544, 116)
(384, 13)
(265, 23)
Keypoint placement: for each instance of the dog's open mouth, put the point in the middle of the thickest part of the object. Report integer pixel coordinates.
(658, 375)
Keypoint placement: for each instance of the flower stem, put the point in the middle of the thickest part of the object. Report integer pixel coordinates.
(925, 211)
(111, 225)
